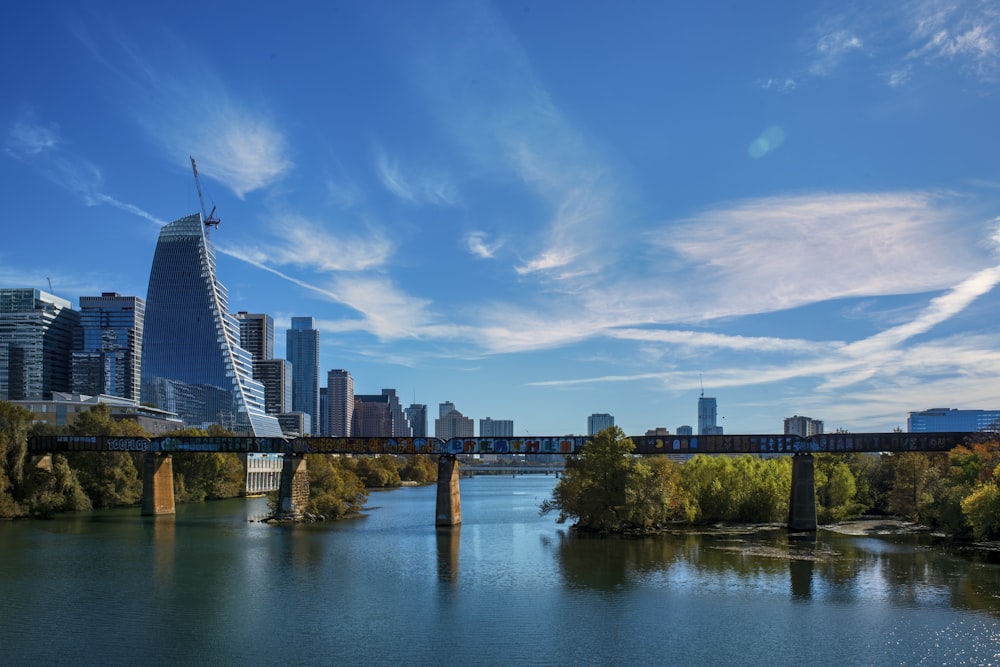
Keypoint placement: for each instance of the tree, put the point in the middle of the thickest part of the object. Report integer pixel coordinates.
(334, 490)
(110, 479)
(982, 509)
(913, 476)
(14, 425)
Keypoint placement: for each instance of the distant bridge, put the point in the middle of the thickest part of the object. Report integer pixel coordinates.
(293, 492)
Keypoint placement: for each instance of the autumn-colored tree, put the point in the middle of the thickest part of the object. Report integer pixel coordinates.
(334, 490)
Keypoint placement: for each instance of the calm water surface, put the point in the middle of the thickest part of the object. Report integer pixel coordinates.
(508, 587)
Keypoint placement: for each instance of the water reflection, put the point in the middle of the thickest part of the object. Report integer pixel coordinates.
(448, 540)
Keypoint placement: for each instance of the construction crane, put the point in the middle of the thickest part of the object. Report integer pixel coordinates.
(208, 218)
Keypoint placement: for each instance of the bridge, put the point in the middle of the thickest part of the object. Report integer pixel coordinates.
(293, 493)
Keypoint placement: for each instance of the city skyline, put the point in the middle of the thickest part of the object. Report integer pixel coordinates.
(537, 213)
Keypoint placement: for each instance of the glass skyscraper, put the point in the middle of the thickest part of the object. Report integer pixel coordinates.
(192, 361)
(302, 349)
(37, 331)
(107, 358)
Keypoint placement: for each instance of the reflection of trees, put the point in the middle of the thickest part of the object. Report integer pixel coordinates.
(903, 571)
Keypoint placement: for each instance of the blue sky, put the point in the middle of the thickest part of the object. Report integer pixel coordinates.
(542, 210)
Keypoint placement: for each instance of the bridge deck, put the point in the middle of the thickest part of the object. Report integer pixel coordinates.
(552, 445)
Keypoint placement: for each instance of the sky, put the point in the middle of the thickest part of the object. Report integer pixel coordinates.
(542, 210)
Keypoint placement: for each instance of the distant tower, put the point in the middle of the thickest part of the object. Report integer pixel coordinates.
(597, 422)
(192, 361)
(257, 334)
(707, 416)
(803, 426)
(452, 423)
(302, 349)
(416, 414)
(107, 358)
(340, 402)
(496, 428)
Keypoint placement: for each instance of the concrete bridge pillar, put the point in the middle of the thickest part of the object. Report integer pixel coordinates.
(157, 485)
(293, 489)
(802, 504)
(449, 502)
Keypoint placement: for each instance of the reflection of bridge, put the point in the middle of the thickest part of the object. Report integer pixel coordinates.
(293, 494)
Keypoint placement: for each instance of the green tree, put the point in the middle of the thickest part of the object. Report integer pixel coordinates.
(982, 509)
(110, 479)
(377, 472)
(836, 489)
(14, 424)
(421, 469)
(334, 490)
(913, 477)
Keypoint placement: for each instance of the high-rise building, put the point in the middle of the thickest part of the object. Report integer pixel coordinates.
(340, 402)
(496, 428)
(107, 359)
(452, 423)
(597, 422)
(685, 430)
(302, 349)
(707, 415)
(192, 362)
(276, 376)
(379, 415)
(803, 426)
(416, 414)
(945, 420)
(37, 332)
(257, 334)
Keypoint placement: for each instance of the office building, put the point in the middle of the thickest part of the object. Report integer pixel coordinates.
(416, 414)
(257, 334)
(108, 354)
(951, 420)
(496, 428)
(37, 332)
(295, 423)
(452, 423)
(340, 402)
(597, 422)
(302, 349)
(276, 376)
(192, 361)
(685, 430)
(707, 416)
(64, 407)
(379, 415)
(803, 426)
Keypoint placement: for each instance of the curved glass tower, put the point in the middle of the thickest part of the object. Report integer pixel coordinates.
(192, 362)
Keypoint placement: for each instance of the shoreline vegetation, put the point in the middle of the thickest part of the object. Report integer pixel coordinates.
(603, 490)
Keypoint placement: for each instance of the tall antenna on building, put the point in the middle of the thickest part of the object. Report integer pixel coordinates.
(702, 383)
(208, 218)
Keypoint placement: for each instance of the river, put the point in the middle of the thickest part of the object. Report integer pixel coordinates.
(208, 586)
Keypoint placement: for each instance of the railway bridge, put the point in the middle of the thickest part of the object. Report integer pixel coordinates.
(293, 493)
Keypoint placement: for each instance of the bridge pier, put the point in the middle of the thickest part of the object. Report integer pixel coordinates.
(157, 485)
(449, 502)
(802, 504)
(293, 489)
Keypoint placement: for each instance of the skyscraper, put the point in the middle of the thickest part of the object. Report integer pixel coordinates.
(302, 349)
(257, 334)
(340, 401)
(37, 330)
(597, 422)
(452, 423)
(379, 415)
(416, 414)
(951, 419)
(192, 362)
(707, 416)
(276, 376)
(496, 428)
(108, 355)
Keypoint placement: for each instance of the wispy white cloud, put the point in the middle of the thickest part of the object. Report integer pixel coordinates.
(966, 32)
(173, 92)
(832, 48)
(512, 131)
(421, 187)
(40, 147)
(479, 245)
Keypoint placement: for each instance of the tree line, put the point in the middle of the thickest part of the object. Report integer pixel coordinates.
(77, 481)
(607, 489)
